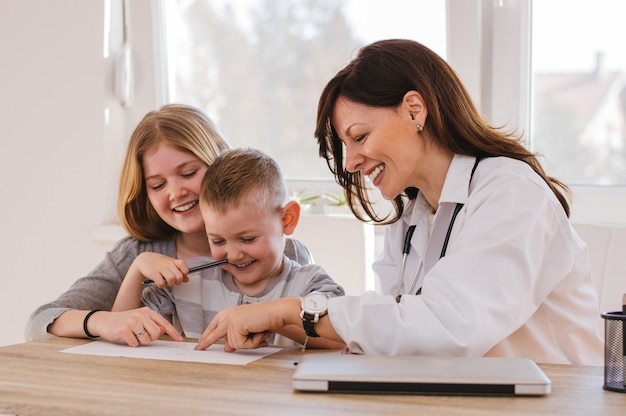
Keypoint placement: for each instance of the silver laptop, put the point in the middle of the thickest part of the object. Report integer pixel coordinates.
(372, 374)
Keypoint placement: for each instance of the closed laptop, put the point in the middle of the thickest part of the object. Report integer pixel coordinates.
(350, 373)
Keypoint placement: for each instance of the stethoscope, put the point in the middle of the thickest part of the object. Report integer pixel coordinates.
(407, 247)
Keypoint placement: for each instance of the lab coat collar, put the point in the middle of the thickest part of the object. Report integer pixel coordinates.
(455, 189)
(456, 186)
(418, 208)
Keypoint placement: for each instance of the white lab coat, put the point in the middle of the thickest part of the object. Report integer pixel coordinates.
(515, 281)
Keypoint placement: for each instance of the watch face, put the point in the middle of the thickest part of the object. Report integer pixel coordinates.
(315, 302)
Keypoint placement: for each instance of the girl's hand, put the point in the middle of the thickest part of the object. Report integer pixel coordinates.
(162, 270)
(134, 327)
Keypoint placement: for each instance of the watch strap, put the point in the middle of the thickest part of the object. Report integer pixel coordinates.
(308, 322)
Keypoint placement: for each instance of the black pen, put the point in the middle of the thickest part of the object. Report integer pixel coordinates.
(197, 268)
(624, 339)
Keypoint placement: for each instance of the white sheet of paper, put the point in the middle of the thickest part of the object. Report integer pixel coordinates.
(173, 351)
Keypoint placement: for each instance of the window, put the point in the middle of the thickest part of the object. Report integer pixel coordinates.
(257, 67)
(579, 89)
(493, 49)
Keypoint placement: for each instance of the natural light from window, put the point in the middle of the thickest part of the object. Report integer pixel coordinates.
(257, 67)
(579, 89)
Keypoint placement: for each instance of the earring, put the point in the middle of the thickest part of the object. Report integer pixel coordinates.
(420, 127)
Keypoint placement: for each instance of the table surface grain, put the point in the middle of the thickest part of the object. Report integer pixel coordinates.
(36, 379)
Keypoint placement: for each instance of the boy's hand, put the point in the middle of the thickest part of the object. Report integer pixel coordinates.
(248, 326)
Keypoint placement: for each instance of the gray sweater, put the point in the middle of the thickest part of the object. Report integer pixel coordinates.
(99, 288)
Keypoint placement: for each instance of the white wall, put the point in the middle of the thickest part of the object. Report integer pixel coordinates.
(54, 82)
(344, 246)
(51, 123)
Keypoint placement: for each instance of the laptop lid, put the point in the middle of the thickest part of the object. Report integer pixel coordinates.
(350, 373)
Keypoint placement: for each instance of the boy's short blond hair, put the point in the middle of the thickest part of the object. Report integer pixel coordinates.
(240, 174)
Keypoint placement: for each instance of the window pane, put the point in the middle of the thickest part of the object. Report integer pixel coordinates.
(257, 67)
(579, 94)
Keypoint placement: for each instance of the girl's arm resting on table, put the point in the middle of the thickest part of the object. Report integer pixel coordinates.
(96, 290)
(119, 327)
(69, 324)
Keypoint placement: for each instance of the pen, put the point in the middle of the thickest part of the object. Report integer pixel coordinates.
(197, 268)
(624, 339)
(405, 252)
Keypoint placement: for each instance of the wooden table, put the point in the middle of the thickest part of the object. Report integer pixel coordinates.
(35, 379)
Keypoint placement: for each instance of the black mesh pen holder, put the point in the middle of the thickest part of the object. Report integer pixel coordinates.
(614, 351)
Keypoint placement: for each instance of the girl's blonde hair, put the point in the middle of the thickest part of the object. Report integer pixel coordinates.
(185, 127)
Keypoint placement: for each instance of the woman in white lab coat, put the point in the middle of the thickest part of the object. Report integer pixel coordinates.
(479, 259)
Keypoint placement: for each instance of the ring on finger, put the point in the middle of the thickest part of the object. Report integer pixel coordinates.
(139, 333)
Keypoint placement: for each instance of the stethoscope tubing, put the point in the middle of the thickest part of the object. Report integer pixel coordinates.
(407, 245)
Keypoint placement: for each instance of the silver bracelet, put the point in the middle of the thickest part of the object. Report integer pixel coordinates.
(306, 340)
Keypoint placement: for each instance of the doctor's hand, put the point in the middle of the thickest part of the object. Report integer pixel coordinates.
(249, 326)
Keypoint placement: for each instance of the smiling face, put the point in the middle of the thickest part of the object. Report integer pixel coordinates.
(382, 143)
(173, 178)
(251, 238)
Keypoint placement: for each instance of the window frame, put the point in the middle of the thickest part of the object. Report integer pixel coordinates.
(499, 79)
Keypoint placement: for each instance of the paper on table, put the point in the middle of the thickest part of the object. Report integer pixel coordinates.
(172, 351)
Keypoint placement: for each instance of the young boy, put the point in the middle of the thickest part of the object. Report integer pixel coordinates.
(247, 213)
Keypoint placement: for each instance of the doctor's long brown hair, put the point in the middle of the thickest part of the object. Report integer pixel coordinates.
(380, 75)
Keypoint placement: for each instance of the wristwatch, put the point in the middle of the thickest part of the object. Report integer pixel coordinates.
(314, 305)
